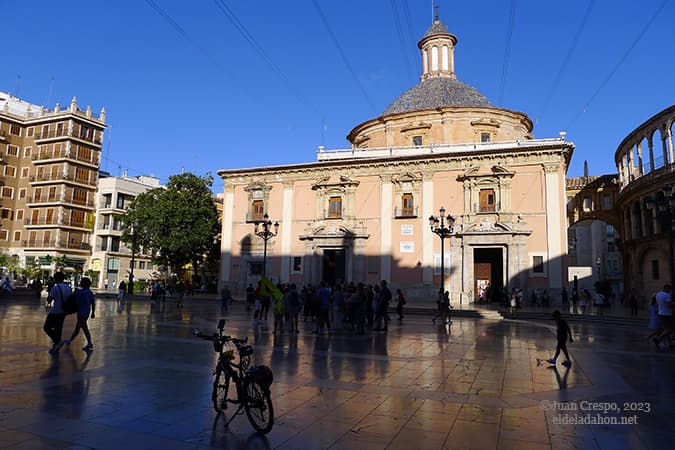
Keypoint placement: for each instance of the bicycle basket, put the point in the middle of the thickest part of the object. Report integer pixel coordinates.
(262, 375)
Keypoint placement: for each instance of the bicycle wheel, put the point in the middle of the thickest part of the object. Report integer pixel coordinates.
(258, 406)
(221, 385)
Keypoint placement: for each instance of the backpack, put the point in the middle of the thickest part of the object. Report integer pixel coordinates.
(70, 303)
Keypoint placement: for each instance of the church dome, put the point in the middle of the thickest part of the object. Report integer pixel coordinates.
(439, 92)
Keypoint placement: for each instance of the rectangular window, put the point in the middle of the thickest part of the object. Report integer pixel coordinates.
(6, 213)
(257, 210)
(7, 192)
(114, 244)
(335, 207)
(113, 264)
(12, 150)
(3, 235)
(50, 216)
(30, 132)
(141, 264)
(27, 152)
(485, 137)
(104, 244)
(25, 172)
(81, 175)
(120, 201)
(77, 218)
(538, 264)
(296, 266)
(22, 193)
(15, 130)
(407, 205)
(10, 171)
(606, 202)
(486, 200)
(417, 141)
(19, 214)
(17, 236)
(79, 196)
(655, 269)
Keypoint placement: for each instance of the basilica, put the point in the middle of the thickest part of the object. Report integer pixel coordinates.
(362, 214)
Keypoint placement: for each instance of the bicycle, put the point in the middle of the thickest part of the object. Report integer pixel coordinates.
(252, 383)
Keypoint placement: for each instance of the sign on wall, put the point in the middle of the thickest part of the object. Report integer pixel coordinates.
(406, 230)
(407, 247)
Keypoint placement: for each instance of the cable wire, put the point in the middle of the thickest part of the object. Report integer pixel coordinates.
(623, 58)
(342, 54)
(507, 52)
(401, 39)
(567, 58)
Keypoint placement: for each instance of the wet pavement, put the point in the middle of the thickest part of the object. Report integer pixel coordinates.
(479, 383)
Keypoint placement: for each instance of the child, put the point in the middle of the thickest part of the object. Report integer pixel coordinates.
(514, 303)
(85, 306)
(562, 332)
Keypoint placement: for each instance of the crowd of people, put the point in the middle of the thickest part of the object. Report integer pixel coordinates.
(349, 308)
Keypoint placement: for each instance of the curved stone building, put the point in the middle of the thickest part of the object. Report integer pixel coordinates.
(362, 214)
(646, 167)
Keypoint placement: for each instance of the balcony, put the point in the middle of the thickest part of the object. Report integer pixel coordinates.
(254, 217)
(50, 156)
(39, 243)
(403, 213)
(61, 134)
(75, 245)
(43, 199)
(47, 177)
(38, 221)
(85, 203)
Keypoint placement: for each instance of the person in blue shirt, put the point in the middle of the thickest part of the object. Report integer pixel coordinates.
(85, 307)
(53, 326)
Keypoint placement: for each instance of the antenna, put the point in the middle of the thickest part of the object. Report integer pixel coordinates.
(436, 16)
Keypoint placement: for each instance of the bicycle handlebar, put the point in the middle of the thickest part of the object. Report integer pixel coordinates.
(222, 337)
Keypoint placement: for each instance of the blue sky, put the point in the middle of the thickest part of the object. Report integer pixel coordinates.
(187, 87)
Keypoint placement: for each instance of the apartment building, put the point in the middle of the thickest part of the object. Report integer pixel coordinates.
(49, 169)
(111, 258)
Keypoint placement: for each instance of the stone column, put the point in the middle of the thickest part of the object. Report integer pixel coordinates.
(554, 224)
(427, 235)
(640, 163)
(286, 227)
(668, 147)
(226, 236)
(386, 214)
(651, 155)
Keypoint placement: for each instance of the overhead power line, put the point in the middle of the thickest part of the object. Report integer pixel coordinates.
(401, 38)
(623, 58)
(342, 54)
(507, 52)
(241, 28)
(411, 30)
(567, 58)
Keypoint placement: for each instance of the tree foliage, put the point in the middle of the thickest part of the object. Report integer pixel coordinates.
(178, 223)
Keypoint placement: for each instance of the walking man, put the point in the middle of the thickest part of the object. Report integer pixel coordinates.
(562, 332)
(85, 307)
(54, 323)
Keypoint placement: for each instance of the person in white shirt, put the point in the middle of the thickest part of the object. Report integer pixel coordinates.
(54, 323)
(665, 314)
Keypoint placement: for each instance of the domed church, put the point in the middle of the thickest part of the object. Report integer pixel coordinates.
(443, 190)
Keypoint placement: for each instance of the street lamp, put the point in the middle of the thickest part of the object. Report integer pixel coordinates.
(664, 205)
(438, 227)
(130, 287)
(264, 230)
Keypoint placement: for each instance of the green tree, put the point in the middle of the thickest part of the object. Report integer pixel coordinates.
(177, 223)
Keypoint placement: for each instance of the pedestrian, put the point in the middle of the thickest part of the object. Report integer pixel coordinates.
(583, 301)
(665, 314)
(633, 303)
(278, 307)
(385, 298)
(293, 308)
(400, 301)
(514, 303)
(37, 288)
(121, 290)
(225, 298)
(562, 333)
(446, 308)
(599, 303)
(250, 297)
(54, 323)
(654, 323)
(85, 306)
(323, 298)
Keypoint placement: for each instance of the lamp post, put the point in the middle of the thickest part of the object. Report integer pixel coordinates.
(438, 227)
(130, 287)
(663, 203)
(263, 229)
